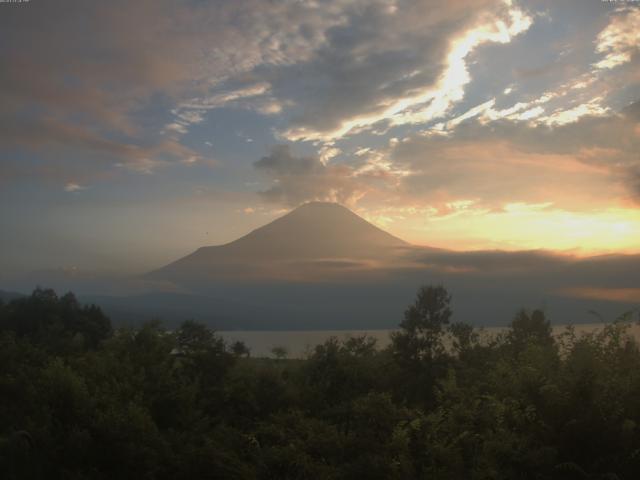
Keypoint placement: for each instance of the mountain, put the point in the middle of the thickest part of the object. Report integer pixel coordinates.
(323, 267)
(311, 240)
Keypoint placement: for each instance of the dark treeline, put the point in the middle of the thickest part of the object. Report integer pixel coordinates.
(79, 400)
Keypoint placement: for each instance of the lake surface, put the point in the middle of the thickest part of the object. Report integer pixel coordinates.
(299, 343)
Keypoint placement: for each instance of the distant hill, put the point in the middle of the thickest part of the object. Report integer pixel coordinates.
(8, 296)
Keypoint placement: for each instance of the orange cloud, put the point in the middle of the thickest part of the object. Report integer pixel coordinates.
(611, 294)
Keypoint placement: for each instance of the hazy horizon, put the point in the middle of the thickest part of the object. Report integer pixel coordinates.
(321, 266)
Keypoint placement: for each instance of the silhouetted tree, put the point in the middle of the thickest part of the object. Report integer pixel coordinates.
(279, 352)
(530, 328)
(418, 347)
(463, 337)
(420, 335)
(80, 401)
(240, 349)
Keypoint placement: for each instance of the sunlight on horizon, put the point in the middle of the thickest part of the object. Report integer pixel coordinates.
(520, 226)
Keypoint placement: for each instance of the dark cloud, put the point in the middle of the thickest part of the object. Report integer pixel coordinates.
(300, 179)
(281, 162)
(539, 71)
(383, 51)
(547, 269)
(492, 262)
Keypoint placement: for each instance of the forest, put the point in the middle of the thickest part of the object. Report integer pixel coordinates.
(81, 399)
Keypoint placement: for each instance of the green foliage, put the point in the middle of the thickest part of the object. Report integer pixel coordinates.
(528, 328)
(59, 324)
(279, 352)
(240, 349)
(421, 331)
(418, 348)
(79, 400)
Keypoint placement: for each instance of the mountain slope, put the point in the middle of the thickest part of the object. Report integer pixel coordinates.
(320, 234)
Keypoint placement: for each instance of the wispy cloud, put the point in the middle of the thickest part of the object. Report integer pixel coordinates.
(620, 40)
(74, 187)
(399, 96)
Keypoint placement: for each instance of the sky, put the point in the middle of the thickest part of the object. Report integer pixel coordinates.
(132, 133)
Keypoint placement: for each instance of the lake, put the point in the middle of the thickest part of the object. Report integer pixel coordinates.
(299, 343)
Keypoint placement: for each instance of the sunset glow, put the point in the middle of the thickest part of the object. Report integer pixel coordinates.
(467, 125)
(522, 227)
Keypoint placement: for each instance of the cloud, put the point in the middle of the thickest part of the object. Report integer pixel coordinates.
(484, 174)
(562, 117)
(531, 111)
(336, 73)
(620, 40)
(331, 84)
(281, 162)
(506, 184)
(630, 295)
(142, 165)
(423, 47)
(74, 187)
(193, 111)
(98, 66)
(297, 179)
(319, 62)
(45, 136)
(75, 83)
(90, 71)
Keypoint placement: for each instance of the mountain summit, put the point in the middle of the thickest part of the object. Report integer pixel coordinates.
(315, 231)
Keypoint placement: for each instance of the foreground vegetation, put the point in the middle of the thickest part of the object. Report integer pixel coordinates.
(80, 400)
